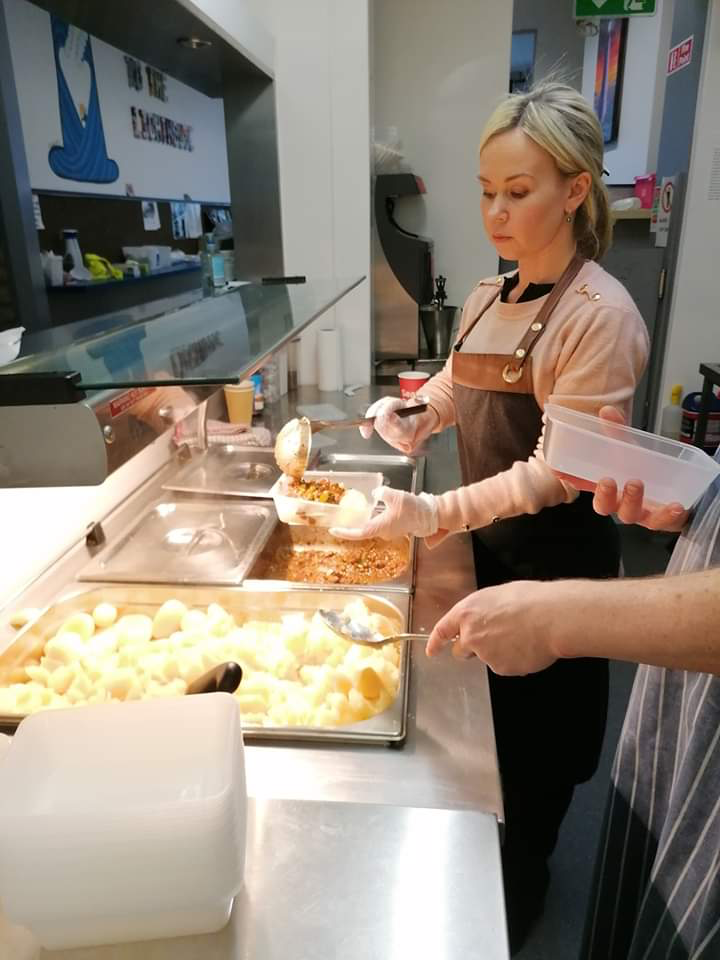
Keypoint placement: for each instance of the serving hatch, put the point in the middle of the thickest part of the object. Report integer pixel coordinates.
(259, 619)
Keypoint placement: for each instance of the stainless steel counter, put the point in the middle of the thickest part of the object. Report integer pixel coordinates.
(331, 880)
(369, 852)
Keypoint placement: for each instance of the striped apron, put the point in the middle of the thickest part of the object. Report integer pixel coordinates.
(657, 884)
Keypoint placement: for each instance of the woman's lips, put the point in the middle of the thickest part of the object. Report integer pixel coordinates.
(498, 238)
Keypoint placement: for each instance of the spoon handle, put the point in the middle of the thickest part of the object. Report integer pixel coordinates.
(340, 424)
(402, 636)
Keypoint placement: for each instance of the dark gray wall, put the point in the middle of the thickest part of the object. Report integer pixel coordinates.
(559, 47)
(252, 145)
(689, 19)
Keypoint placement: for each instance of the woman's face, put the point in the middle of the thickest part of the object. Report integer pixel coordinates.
(525, 199)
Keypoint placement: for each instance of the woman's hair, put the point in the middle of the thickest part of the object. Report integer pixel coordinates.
(562, 122)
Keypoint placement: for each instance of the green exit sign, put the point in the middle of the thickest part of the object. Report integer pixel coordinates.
(614, 8)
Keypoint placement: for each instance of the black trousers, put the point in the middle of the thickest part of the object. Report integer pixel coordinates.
(549, 726)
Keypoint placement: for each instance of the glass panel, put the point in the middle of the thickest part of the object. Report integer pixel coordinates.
(216, 340)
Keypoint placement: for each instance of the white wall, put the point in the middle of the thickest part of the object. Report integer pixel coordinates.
(322, 91)
(439, 69)
(694, 334)
(643, 93)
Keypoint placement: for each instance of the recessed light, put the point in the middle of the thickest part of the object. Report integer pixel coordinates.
(194, 43)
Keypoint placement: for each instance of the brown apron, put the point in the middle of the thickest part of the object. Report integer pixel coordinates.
(550, 725)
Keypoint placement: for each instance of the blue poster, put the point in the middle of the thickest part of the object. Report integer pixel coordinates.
(83, 155)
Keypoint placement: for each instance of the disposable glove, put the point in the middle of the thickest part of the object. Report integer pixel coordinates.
(403, 434)
(405, 513)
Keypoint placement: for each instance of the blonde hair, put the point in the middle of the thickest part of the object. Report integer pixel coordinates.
(562, 122)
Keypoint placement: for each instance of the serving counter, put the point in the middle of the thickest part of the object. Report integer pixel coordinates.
(358, 851)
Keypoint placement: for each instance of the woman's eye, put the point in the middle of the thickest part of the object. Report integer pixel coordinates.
(518, 196)
(488, 196)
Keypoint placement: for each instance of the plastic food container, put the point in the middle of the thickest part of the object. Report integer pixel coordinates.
(123, 822)
(294, 510)
(590, 448)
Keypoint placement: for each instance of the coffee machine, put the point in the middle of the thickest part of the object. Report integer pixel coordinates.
(403, 296)
(402, 277)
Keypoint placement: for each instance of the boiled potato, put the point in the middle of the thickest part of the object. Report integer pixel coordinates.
(104, 615)
(81, 624)
(22, 617)
(168, 618)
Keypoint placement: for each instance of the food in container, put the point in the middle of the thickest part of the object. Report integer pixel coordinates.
(313, 556)
(296, 672)
(578, 445)
(299, 503)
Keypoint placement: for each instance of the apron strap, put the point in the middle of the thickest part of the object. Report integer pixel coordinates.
(513, 370)
(463, 338)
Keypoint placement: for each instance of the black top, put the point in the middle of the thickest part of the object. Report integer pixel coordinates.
(531, 292)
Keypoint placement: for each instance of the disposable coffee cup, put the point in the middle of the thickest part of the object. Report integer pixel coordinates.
(239, 400)
(412, 382)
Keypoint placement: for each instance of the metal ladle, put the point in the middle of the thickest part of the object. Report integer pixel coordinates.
(356, 632)
(293, 443)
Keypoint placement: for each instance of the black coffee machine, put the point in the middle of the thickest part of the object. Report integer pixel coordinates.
(403, 287)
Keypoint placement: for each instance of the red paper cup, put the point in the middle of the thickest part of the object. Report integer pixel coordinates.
(412, 382)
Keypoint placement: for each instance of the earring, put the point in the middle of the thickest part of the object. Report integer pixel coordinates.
(568, 217)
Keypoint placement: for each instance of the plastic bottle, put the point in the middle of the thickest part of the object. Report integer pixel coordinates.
(259, 399)
(671, 419)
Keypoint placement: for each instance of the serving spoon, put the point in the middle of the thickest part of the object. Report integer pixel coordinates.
(292, 446)
(356, 632)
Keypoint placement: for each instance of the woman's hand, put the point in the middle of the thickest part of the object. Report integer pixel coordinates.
(402, 433)
(404, 513)
(630, 505)
(508, 627)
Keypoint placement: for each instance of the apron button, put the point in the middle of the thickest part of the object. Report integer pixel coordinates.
(535, 327)
(519, 353)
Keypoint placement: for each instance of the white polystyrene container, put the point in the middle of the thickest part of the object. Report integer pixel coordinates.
(294, 510)
(590, 448)
(123, 822)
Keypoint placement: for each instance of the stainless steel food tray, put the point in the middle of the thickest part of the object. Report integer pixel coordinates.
(399, 472)
(386, 727)
(228, 470)
(186, 541)
(314, 540)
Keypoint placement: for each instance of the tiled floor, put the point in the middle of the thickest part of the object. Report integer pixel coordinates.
(558, 935)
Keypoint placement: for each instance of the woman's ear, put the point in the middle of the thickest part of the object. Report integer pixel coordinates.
(579, 189)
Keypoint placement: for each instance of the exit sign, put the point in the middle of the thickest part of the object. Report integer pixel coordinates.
(614, 8)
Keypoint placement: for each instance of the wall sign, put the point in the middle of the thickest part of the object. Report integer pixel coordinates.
(680, 55)
(83, 154)
(96, 120)
(667, 192)
(614, 8)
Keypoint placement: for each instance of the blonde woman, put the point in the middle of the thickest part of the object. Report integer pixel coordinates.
(558, 329)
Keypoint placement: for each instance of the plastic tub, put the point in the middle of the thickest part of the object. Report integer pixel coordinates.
(296, 511)
(587, 447)
(123, 821)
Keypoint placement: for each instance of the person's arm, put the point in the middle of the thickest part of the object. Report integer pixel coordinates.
(522, 627)
(601, 362)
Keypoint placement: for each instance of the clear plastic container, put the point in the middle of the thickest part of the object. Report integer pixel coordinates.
(579, 445)
(296, 511)
(123, 821)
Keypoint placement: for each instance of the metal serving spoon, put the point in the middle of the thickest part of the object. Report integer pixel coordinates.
(356, 632)
(292, 446)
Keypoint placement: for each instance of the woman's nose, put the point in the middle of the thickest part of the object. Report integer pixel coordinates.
(497, 210)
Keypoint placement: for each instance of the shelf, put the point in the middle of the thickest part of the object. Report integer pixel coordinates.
(82, 286)
(214, 340)
(637, 214)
